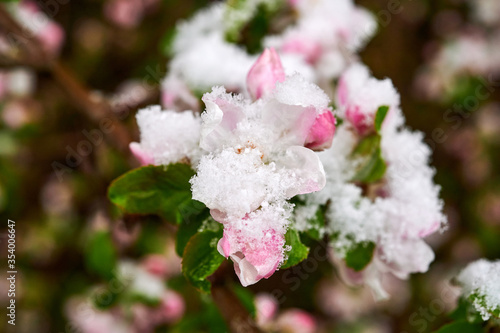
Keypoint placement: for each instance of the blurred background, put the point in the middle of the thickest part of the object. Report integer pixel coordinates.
(442, 55)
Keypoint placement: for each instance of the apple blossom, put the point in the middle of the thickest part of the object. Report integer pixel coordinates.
(480, 282)
(256, 160)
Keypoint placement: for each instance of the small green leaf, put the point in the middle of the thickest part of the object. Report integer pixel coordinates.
(191, 219)
(466, 311)
(201, 258)
(372, 167)
(299, 251)
(358, 257)
(159, 190)
(100, 255)
(380, 116)
(461, 326)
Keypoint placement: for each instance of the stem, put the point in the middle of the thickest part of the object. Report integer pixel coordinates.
(35, 56)
(234, 313)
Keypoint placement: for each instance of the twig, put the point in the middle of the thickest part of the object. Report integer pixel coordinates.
(35, 56)
(235, 315)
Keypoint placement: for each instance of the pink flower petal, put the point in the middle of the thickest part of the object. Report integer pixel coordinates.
(264, 74)
(219, 119)
(253, 258)
(321, 133)
(143, 157)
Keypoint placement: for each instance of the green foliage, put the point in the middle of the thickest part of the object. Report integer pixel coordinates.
(380, 116)
(466, 311)
(201, 258)
(207, 320)
(100, 255)
(298, 251)
(360, 255)
(164, 191)
(248, 22)
(461, 326)
(192, 219)
(372, 167)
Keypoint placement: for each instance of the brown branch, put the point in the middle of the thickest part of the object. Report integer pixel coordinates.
(31, 53)
(234, 313)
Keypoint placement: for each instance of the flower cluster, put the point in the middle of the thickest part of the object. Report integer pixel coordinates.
(480, 282)
(251, 156)
(266, 135)
(147, 303)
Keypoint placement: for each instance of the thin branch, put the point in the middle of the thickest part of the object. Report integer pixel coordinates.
(31, 53)
(235, 315)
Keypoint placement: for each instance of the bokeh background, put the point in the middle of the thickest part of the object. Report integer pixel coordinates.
(442, 56)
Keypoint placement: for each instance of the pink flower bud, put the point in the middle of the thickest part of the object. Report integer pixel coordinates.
(321, 133)
(264, 74)
(362, 123)
(266, 308)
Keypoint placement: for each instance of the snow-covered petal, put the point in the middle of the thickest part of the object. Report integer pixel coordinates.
(167, 136)
(306, 168)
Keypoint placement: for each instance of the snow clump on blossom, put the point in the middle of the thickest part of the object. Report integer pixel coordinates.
(257, 158)
(480, 282)
(394, 213)
(319, 44)
(326, 34)
(167, 136)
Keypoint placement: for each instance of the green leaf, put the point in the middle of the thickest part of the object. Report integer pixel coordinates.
(466, 311)
(380, 116)
(372, 167)
(159, 190)
(461, 326)
(167, 41)
(191, 219)
(100, 255)
(201, 258)
(358, 257)
(299, 251)
(248, 22)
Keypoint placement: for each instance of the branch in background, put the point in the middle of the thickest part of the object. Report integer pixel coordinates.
(234, 313)
(32, 54)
